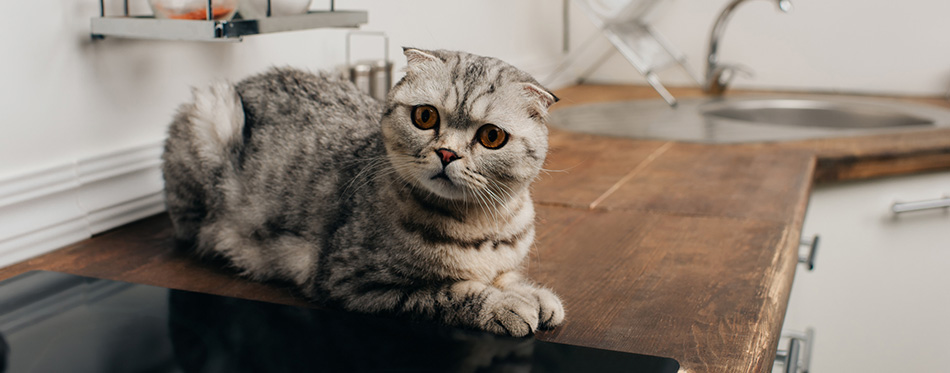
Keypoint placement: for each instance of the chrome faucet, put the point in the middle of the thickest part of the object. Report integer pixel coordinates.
(719, 75)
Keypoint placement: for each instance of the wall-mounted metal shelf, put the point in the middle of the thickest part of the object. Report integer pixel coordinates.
(146, 27)
(149, 27)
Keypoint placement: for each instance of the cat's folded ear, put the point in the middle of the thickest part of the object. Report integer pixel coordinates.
(547, 98)
(419, 59)
(542, 98)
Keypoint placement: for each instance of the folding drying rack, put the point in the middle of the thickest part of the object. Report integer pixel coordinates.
(624, 23)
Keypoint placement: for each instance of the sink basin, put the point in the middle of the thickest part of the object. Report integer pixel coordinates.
(751, 119)
(816, 113)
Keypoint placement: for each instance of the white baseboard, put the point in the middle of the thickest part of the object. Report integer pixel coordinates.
(48, 209)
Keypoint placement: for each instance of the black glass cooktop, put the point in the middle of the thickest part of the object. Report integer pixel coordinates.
(54, 322)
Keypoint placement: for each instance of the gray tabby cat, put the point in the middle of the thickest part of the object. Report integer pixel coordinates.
(419, 205)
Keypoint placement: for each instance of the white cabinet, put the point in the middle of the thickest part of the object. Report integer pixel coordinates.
(879, 297)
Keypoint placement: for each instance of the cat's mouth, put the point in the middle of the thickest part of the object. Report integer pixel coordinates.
(442, 175)
(446, 185)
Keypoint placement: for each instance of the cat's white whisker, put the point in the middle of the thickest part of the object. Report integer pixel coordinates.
(550, 171)
(498, 201)
(505, 197)
(379, 161)
(483, 202)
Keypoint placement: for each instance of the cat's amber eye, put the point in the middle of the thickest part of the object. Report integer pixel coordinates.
(491, 136)
(425, 117)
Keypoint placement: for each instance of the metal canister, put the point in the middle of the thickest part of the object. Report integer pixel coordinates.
(381, 75)
(361, 74)
(373, 77)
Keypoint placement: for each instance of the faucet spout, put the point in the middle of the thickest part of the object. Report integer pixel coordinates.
(785, 5)
(717, 74)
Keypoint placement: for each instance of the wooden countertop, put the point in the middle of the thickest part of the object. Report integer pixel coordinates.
(664, 248)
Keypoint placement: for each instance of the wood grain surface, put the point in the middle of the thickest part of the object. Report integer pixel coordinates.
(680, 250)
(688, 287)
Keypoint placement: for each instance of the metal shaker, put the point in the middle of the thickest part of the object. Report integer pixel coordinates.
(373, 77)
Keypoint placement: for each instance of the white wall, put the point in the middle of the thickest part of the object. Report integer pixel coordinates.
(64, 97)
(871, 46)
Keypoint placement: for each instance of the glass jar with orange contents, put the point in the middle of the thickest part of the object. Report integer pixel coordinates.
(193, 9)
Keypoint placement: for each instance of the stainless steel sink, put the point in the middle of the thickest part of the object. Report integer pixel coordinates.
(751, 118)
(816, 113)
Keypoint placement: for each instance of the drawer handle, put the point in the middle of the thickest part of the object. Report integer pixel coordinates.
(930, 204)
(797, 358)
(812, 244)
(794, 350)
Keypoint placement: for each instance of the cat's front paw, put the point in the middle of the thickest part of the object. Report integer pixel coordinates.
(510, 313)
(551, 312)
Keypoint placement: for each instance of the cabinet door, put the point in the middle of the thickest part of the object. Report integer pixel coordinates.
(879, 297)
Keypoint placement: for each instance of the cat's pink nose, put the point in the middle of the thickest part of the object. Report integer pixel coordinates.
(446, 156)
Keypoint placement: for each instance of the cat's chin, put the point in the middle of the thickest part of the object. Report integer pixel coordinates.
(443, 186)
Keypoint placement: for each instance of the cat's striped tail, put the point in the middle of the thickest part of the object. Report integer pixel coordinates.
(200, 159)
(217, 120)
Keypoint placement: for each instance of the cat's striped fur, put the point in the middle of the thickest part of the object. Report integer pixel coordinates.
(296, 176)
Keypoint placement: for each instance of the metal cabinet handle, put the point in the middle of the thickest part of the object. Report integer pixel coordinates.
(791, 360)
(812, 251)
(797, 358)
(930, 204)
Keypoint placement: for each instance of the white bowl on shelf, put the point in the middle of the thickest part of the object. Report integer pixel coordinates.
(253, 9)
(193, 9)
